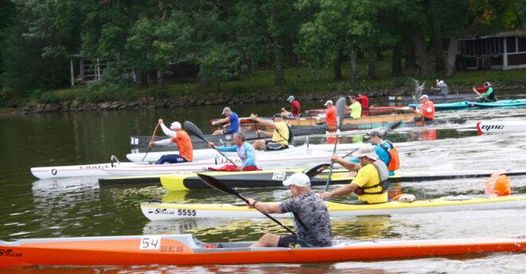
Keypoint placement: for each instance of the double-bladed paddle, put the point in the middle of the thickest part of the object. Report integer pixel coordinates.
(340, 114)
(217, 184)
(194, 130)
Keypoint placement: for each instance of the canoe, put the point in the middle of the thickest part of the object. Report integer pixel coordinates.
(157, 211)
(487, 127)
(274, 177)
(184, 249)
(436, 98)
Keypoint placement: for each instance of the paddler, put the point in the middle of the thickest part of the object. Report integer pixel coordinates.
(364, 101)
(231, 120)
(178, 137)
(330, 116)
(370, 183)
(311, 217)
(442, 87)
(280, 133)
(295, 108)
(488, 92)
(355, 108)
(426, 111)
(244, 150)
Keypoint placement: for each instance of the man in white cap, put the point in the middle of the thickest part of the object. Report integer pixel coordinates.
(180, 138)
(330, 116)
(370, 183)
(442, 87)
(295, 107)
(231, 120)
(311, 218)
(426, 111)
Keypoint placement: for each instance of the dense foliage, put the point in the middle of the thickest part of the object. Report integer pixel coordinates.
(147, 42)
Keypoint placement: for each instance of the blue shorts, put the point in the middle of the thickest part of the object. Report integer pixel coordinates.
(170, 158)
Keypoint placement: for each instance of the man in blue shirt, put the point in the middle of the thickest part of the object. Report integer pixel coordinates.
(231, 120)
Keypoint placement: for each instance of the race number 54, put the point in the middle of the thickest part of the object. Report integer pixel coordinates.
(150, 243)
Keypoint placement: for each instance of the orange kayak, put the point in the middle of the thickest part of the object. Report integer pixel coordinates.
(184, 249)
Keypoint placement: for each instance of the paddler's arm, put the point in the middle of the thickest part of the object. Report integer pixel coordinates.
(268, 208)
(166, 130)
(348, 165)
(251, 156)
(263, 122)
(343, 190)
(221, 121)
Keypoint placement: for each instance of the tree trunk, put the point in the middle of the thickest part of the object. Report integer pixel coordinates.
(371, 61)
(141, 78)
(338, 67)
(426, 68)
(396, 61)
(279, 71)
(160, 78)
(451, 57)
(354, 63)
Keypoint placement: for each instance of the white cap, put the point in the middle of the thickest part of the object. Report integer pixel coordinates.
(297, 179)
(440, 82)
(423, 97)
(367, 150)
(175, 125)
(328, 102)
(290, 99)
(225, 110)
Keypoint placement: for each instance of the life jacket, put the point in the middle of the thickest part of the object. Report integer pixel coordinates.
(383, 174)
(394, 158)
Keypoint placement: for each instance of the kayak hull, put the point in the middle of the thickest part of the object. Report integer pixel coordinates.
(156, 211)
(183, 249)
(488, 127)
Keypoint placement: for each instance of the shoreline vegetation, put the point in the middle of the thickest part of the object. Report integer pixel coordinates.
(305, 84)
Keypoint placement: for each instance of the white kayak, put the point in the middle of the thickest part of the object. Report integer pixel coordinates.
(488, 127)
(91, 170)
(210, 154)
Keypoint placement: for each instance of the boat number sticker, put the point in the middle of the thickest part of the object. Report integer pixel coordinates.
(279, 176)
(150, 243)
(186, 212)
(53, 172)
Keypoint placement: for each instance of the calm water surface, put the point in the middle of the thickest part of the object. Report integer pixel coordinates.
(32, 208)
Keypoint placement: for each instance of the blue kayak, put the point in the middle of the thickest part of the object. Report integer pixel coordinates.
(467, 104)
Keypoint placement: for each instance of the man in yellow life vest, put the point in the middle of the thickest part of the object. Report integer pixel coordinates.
(280, 133)
(370, 183)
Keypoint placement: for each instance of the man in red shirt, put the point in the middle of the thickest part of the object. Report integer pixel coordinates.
(364, 101)
(295, 107)
(427, 109)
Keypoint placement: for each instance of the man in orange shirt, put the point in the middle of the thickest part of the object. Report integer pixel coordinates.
(427, 109)
(181, 139)
(330, 116)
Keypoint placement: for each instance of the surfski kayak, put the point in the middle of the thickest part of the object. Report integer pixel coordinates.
(467, 104)
(488, 127)
(158, 211)
(184, 249)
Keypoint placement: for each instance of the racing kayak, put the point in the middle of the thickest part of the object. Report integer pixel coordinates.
(486, 127)
(274, 178)
(91, 170)
(467, 104)
(448, 106)
(184, 249)
(158, 211)
(348, 123)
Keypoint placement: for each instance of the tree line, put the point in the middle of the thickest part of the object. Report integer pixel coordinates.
(231, 39)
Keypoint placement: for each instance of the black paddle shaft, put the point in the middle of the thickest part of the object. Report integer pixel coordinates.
(194, 130)
(217, 184)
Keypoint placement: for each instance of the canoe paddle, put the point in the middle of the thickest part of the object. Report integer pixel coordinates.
(340, 114)
(151, 140)
(217, 184)
(194, 130)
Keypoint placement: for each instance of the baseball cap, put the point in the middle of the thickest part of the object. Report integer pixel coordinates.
(366, 151)
(423, 97)
(328, 102)
(297, 179)
(175, 125)
(290, 99)
(225, 110)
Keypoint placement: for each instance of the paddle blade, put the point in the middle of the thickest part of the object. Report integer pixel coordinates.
(317, 170)
(217, 184)
(340, 111)
(393, 126)
(194, 130)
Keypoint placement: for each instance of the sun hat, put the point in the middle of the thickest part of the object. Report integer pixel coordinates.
(225, 110)
(328, 102)
(297, 179)
(290, 99)
(175, 125)
(366, 151)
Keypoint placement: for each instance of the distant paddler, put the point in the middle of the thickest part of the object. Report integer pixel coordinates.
(370, 183)
(442, 87)
(426, 110)
(231, 122)
(355, 108)
(178, 137)
(294, 108)
(280, 133)
(310, 213)
(488, 93)
(244, 150)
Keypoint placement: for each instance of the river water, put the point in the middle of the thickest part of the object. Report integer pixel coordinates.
(32, 208)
